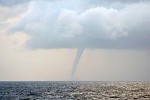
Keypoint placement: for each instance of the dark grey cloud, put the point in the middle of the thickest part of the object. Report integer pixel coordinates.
(64, 25)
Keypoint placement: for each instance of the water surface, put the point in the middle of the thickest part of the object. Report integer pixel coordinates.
(63, 90)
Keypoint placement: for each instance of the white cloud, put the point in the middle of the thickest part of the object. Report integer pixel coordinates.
(52, 25)
(12, 2)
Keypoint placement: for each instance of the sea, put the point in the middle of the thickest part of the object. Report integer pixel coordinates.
(74, 90)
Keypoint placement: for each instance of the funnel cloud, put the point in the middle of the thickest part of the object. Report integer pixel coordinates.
(76, 61)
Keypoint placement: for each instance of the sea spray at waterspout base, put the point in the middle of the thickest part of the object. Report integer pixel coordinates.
(76, 61)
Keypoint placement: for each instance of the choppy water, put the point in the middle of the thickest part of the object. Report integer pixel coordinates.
(74, 90)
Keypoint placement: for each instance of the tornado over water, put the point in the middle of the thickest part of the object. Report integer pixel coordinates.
(76, 61)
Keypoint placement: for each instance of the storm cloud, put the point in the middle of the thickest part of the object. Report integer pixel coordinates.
(68, 24)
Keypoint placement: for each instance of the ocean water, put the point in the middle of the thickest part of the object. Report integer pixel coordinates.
(63, 90)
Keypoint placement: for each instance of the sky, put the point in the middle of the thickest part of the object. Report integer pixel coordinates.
(41, 40)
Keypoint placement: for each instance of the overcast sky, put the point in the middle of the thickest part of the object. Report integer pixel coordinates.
(39, 39)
